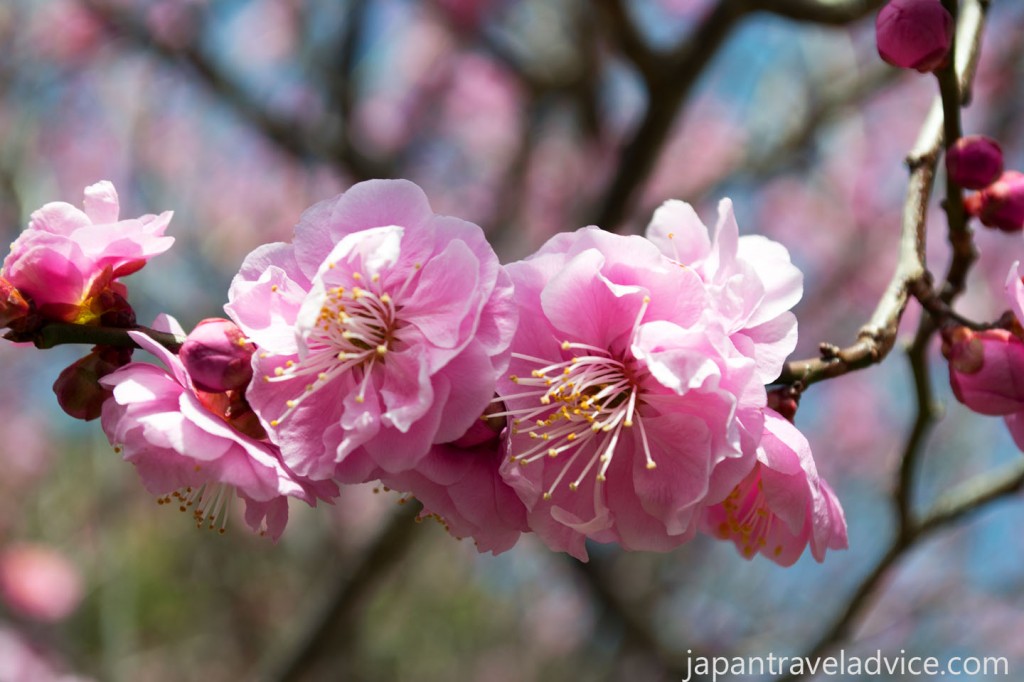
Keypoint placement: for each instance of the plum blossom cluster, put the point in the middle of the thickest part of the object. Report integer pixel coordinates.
(607, 388)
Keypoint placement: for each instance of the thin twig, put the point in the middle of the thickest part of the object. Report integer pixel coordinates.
(878, 336)
(820, 11)
(294, 137)
(668, 85)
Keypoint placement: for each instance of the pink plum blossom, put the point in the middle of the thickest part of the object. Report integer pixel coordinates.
(637, 381)
(380, 329)
(185, 445)
(68, 260)
(460, 486)
(782, 505)
(1001, 204)
(39, 582)
(986, 369)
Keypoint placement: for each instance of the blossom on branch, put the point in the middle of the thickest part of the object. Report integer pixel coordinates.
(381, 329)
(636, 388)
(460, 486)
(193, 449)
(782, 505)
(67, 263)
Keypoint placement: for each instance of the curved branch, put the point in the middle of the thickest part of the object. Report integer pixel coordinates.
(669, 82)
(878, 336)
(820, 11)
(335, 621)
(291, 136)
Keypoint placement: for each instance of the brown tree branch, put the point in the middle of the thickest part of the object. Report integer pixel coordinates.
(335, 622)
(61, 333)
(820, 11)
(293, 137)
(961, 502)
(878, 336)
(669, 82)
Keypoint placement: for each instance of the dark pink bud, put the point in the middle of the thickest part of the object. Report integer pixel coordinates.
(914, 34)
(13, 305)
(974, 162)
(1001, 204)
(986, 369)
(785, 401)
(217, 356)
(78, 389)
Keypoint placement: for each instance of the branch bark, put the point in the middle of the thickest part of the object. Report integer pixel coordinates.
(878, 336)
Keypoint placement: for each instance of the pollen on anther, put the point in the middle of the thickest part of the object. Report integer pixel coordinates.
(360, 399)
(652, 465)
(275, 422)
(566, 345)
(273, 287)
(382, 350)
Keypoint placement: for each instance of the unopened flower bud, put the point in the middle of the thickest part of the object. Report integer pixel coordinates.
(78, 390)
(785, 401)
(1001, 204)
(217, 356)
(115, 310)
(914, 34)
(13, 305)
(975, 161)
(986, 369)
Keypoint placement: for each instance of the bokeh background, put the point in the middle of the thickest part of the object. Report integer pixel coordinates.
(528, 117)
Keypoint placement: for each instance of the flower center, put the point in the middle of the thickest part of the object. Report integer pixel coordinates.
(582, 406)
(355, 329)
(748, 519)
(209, 503)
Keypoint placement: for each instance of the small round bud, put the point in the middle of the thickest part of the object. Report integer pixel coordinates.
(785, 401)
(78, 387)
(914, 34)
(1001, 204)
(975, 161)
(217, 356)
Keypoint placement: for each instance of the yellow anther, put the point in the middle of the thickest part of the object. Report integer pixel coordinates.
(382, 350)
